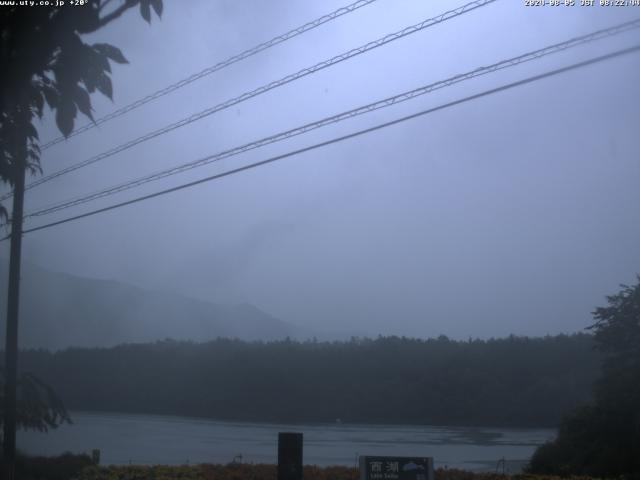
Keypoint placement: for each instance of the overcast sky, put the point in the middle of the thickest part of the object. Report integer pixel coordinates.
(515, 213)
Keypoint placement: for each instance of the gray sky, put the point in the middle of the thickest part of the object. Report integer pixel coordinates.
(516, 213)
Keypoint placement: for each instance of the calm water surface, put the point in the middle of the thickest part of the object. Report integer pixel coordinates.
(151, 439)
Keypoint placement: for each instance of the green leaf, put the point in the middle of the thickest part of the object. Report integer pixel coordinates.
(110, 51)
(92, 59)
(90, 78)
(65, 114)
(157, 7)
(103, 84)
(33, 163)
(82, 100)
(34, 146)
(145, 10)
(31, 131)
(101, 61)
(38, 101)
(51, 95)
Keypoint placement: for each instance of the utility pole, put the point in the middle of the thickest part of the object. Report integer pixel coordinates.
(13, 301)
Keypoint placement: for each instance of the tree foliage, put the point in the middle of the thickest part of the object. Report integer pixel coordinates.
(39, 407)
(506, 382)
(617, 335)
(44, 61)
(603, 439)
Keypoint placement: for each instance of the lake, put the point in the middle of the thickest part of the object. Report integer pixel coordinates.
(154, 439)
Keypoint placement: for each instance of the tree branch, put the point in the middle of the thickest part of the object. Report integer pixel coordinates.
(104, 4)
(117, 12)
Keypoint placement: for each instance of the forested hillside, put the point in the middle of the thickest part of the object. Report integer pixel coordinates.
(504, 382)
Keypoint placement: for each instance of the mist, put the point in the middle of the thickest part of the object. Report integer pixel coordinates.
(435, 277)
(510, 214)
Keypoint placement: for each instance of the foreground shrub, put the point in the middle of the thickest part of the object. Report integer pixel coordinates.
(268, 472)
(62, 467)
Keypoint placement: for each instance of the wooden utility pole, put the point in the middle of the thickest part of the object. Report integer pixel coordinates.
(13, 301)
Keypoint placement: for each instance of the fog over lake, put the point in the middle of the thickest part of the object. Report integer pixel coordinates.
(151, 439)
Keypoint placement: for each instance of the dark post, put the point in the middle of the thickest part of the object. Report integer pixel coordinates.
(11, 347)
(289, 456)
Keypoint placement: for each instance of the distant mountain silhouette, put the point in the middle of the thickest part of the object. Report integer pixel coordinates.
(58, 310)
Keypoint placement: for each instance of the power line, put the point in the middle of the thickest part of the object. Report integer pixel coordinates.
(265, 88)
(214, 68)
(502, 88)
(511, 62)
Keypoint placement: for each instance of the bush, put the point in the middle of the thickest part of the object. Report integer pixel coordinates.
(267, 472)
(62, 467)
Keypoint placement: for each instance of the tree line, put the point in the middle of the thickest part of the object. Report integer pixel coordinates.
(515, 381)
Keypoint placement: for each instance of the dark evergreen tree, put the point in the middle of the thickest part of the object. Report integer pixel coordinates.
(603, 439)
